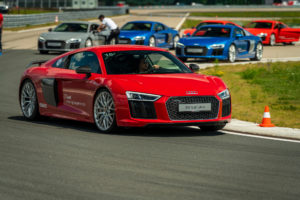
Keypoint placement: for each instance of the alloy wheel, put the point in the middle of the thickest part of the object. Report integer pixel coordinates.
(232, 54)
(28, 100)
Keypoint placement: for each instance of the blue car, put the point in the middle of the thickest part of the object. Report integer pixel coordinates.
(222, 42)
(148, 33)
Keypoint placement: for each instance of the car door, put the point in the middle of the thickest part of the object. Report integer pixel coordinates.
(73, 92)
(244, 43)
(160, 35)
(285, 33)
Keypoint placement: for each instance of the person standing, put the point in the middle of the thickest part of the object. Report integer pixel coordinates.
(1, 25)
(114, 30)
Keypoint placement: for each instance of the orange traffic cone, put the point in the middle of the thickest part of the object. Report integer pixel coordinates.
(266, 122)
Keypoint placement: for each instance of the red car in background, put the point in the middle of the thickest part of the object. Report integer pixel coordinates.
(124, 85)
(272, 32)
(188, 32)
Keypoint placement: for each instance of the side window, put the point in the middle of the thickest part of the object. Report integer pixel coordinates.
(94, 27)
(60, 63)
(238, 31)
(85, 58)
(158, 27)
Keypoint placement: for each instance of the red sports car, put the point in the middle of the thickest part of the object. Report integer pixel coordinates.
(122, 85)
(272, 32)
(188, 32)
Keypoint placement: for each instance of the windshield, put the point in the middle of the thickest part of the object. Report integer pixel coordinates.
(212, 32)
(71, 27)
(143, 62)
(206, 23)
(136, 27)
(259, 25)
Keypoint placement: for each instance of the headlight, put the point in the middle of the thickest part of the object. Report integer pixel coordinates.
(139, 38)
(42, 39)
(217, 46)
(224, 94)
(179, 44)
(74, 40)
(262, 34)
(137, 96)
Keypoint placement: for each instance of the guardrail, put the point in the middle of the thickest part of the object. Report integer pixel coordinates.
(67, 15)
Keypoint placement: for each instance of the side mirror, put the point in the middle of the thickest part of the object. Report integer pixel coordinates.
(194, 67)
(50, 29)
(84, 70)
(238, 35)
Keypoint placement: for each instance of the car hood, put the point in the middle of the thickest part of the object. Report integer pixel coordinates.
(203, 40)
(170, 84)
(130, 34)
(62, 35)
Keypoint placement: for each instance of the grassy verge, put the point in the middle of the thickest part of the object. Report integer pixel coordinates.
(281, 14)
(254, 86)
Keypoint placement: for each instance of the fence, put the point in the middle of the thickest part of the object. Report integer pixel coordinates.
(68, 15)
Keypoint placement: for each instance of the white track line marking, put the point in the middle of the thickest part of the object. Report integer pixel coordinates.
(182, 21)
(263, 137)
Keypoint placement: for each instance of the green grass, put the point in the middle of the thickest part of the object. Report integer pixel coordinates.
(254, 86)
(280, 14)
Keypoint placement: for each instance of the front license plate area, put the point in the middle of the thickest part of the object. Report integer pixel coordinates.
(54, 44)
(194, 50)
(197, 107)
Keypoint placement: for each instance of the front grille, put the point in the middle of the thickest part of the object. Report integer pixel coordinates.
(139, 42)
(58, 44)
(203, 53)
(74, 45)
(173, 108)
(124, 41)
(142, 109)
(226, 107)
(217, 52)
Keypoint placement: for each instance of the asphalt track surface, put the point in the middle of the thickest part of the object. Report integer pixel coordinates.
(62, 159)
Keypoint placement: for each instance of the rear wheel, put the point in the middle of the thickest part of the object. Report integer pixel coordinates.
(258, 52)
(152, 42)
(212, 128)
(272, 39)
(104, 111)
(232, 53)
(28, 101)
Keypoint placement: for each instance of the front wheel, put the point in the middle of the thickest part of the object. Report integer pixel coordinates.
(152, 42)
(212, 128)
(258, 52)
(88, 43)
(175, 40)
(272, 39)
(28, 101)
(104, 111)
(232, 53)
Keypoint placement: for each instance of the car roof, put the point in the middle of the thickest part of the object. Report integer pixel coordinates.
(142, 21)
(219, 25)
(270, 21)
(77, 22)
(220, 21)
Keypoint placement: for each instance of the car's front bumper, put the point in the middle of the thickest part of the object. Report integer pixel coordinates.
(204, 52)
(165, 111)
(58, 45)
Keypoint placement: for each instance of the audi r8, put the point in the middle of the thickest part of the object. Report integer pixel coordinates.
(272, 32)
(189, 32)
(148, 33)
(220, 42)
(68, 36)
(103, 85)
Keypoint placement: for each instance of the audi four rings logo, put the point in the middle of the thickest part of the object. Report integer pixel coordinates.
(191, 92)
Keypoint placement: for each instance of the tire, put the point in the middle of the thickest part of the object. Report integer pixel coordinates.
(232, 53)
(272, 41)
(104, 111)
(88, 43)
(183, 59)
(152, 42)
(212, 128)
(29, 101)
(44, 52)
(175, 40)
(289, 43)
(258, 52)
